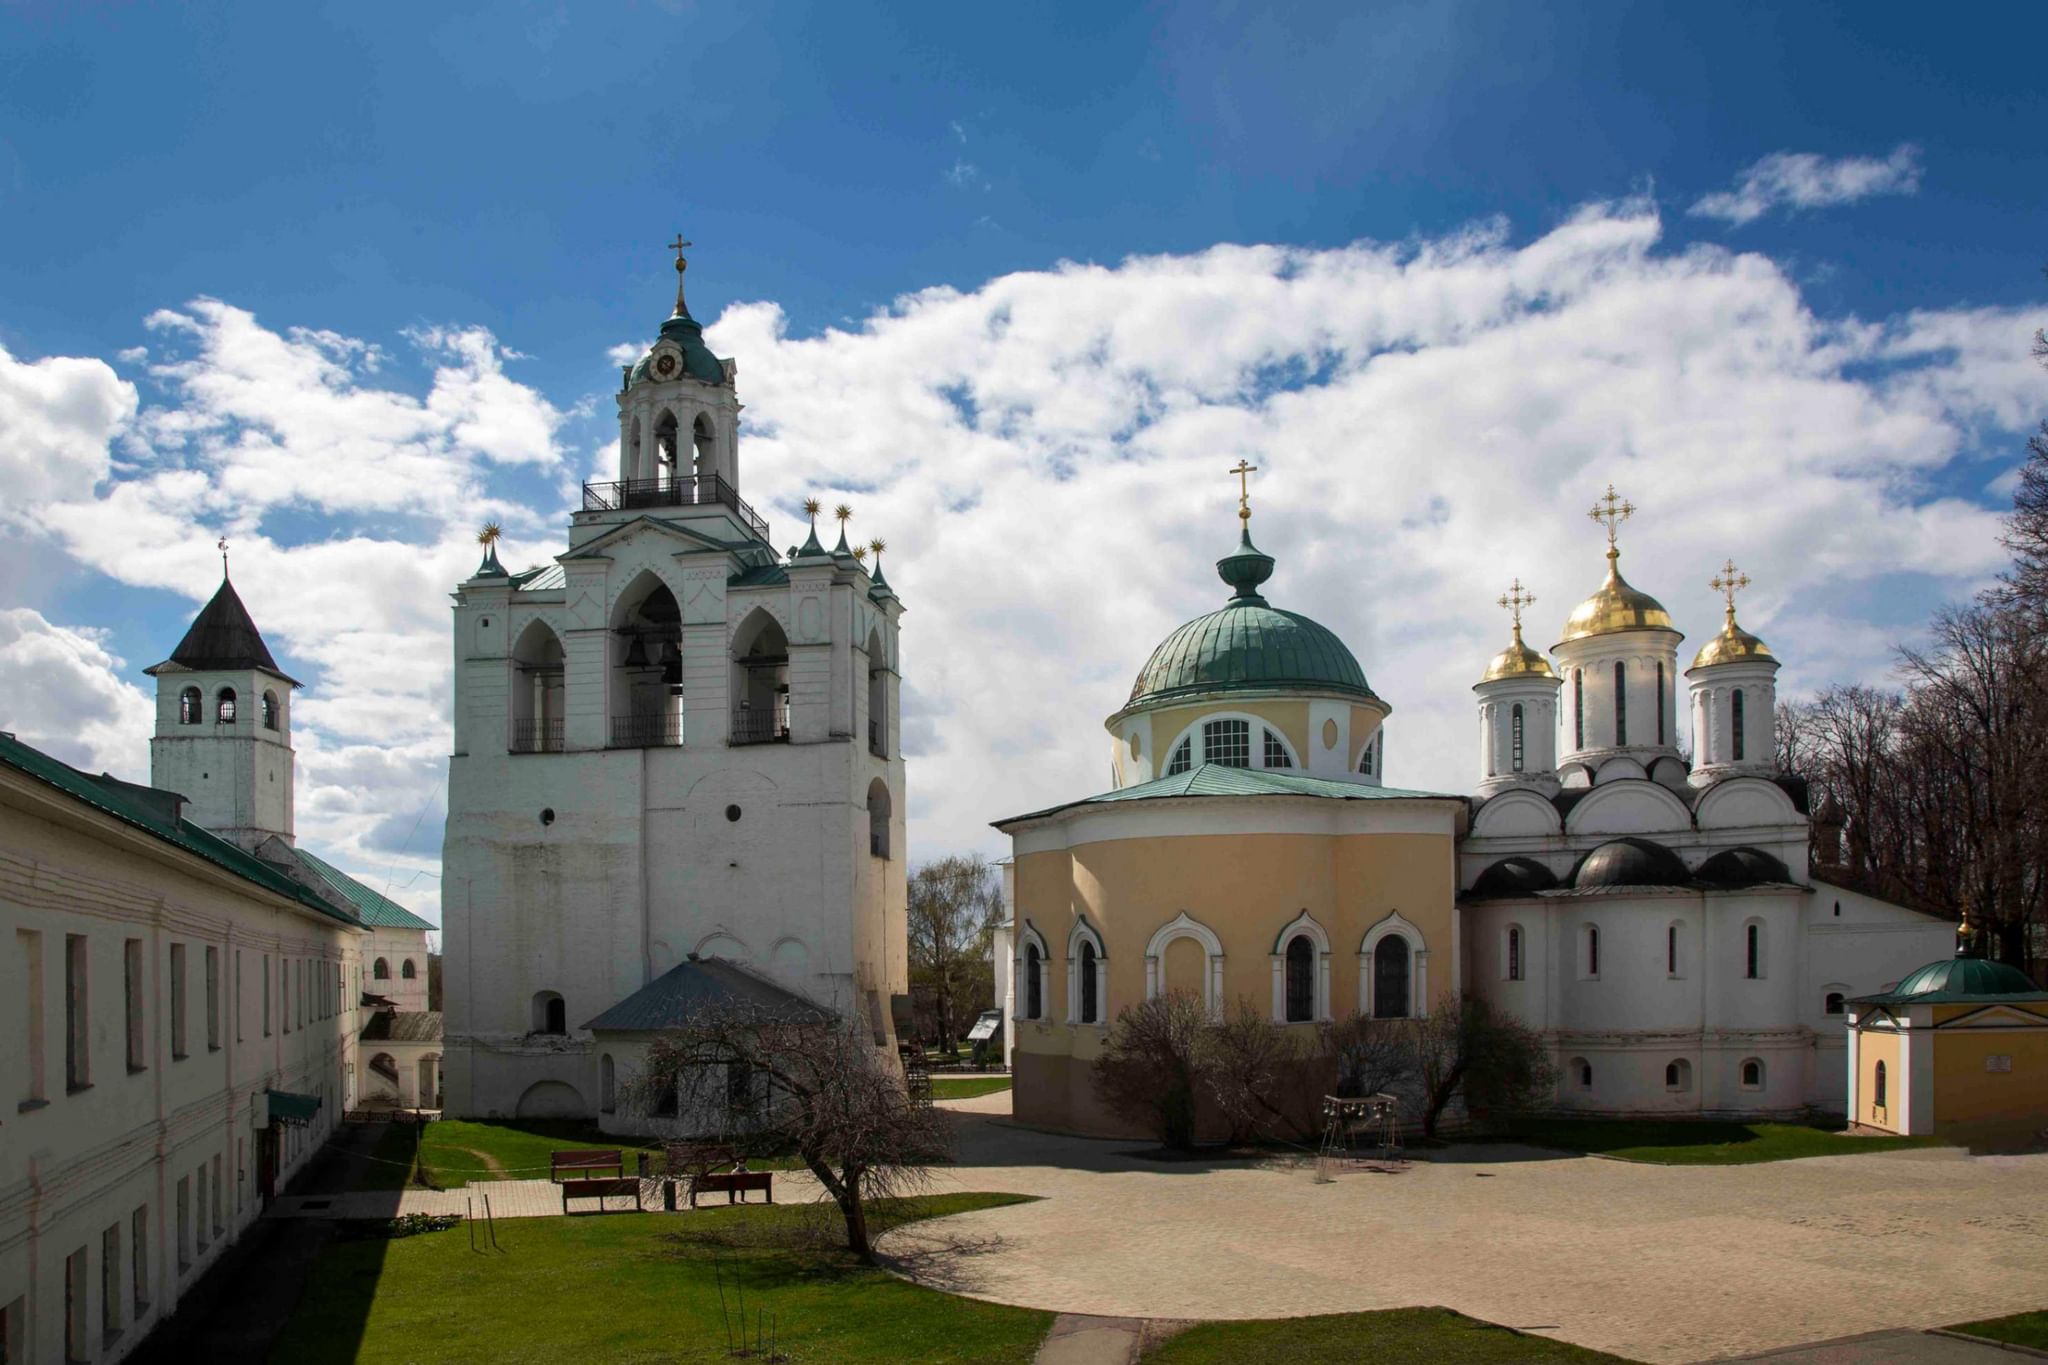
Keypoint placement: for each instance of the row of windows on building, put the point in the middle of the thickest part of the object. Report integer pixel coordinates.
(192, 707)
(1749, 1074)
(381, 970)
(309, 989)
(1735, 714)
(1514, 957)
(1391, 969)
(1227, 743)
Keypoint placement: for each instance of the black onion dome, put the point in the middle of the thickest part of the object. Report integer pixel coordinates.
(1630, 862)
(1743, 867)
(1514, 877)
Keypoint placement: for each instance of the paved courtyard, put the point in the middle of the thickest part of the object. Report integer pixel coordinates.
(1658, 1263)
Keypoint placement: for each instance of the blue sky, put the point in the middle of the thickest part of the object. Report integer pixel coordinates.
(369, 185)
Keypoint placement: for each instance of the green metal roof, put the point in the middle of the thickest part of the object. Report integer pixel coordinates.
(373, 908)
(152, 811)
(1213, 779)
(1960, 981)
(698, 362)
(1248, 646)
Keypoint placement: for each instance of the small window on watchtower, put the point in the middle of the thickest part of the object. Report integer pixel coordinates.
(190, 703)
(224, 706)
(269, 710)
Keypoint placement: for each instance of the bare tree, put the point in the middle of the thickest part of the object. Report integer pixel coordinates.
(1151, 1066)
(1250, 1062)
(955, 905)
(1499, 1063)
(1368, 1056)
(798, 1079)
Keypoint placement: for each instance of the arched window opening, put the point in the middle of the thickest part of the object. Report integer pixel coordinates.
(1365, 758)
(1034, 982)
(1183, 757)
(1833, 1003)
(1735, 726)
(1877, 1090)
(1515, 737)
(538, 693)
(550, 1014)
(607, 1085)
(665, 451)
(189, 704)
(1752, 951)
(703, 453)
(1514, 952)
(381, 970)
(647, 667)
(1671, 950)
(1752, 1074)
(407, 971)
(878, 697)
(269, 710)
(1089, 1013)
(760, 683)
(1390, 978)
(1620, 703)
(1678, 1075)
(1592, 950)
(1660, 701)
(878, 818)
(1227, 743)
(1276, 752)
(1578, 708)
(224, 706)
(1301, 979)
(1582, 1072)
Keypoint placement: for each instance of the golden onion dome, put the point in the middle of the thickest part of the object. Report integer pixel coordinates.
(1517, 661)
(1733, 645)
(1616, 607)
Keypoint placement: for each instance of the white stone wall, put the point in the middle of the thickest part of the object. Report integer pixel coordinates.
(76, 1163)
(397, 947)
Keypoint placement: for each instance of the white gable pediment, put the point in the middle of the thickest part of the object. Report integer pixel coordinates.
(1738, 802)
(1516, 813)
(1629, 806)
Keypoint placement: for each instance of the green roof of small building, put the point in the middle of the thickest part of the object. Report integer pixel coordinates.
(1960, 981)
(1248, 646)
(153, 811)
(1214, 779)
(373, 908)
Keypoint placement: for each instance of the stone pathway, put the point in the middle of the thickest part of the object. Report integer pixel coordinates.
(1897, 1348)
(1078, 1340)
(1656, 1263)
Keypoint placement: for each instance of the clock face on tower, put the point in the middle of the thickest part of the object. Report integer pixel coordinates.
(665, 365)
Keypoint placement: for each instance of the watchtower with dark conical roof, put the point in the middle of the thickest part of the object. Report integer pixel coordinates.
(223, 736)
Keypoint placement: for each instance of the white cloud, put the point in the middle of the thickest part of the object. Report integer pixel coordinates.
(63, 694)
(57, 416)
(1807, 180)
(1046, 455)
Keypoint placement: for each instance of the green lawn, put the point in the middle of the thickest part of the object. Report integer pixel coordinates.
(2021, 1329)
(451, 1153)
(642, 1288)
(1698, 1142)
(967, 1087)
(1402, 1336)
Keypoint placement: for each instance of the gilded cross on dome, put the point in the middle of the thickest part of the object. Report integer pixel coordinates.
(1244, 471)
(1611, 510)
(222, 546)
(1513, 600)
(677, 246)
(1728, 582)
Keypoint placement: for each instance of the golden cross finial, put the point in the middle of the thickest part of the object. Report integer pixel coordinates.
(1244, 471)
(222, 546)
(682, 310)
(1514, 599)
(1728, 582)
(678, 245)
(1610, 509)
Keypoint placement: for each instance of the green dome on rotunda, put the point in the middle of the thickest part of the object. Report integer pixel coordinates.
(1248, 646)
(1969, 976)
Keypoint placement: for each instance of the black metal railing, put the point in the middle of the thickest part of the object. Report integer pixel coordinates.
(646, 732)
(760, 727)
(536, 737)
(875, 746)
(688, 490)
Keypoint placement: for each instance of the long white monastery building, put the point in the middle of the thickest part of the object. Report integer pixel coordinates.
(674, 743)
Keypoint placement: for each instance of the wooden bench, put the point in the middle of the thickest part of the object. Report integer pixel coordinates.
(586, 1159)
(599, 1189)
(734, 1183)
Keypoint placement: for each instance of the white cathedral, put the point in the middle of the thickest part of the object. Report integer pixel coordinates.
(676, 754)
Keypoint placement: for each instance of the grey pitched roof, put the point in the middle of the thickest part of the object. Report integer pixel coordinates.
(670, 999)
(389, 1026)
(223, 636)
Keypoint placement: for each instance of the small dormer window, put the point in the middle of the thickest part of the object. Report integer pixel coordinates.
(190, 704)
(224, 706)
(269, 710)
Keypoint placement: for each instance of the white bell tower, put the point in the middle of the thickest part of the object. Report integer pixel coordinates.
(223, 736)
(1734, 696)
(679, 412)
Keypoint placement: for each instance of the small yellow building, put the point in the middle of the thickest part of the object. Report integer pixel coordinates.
(1959, 1048)
(1247, 853)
